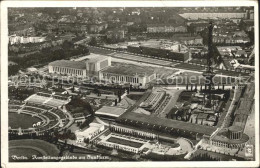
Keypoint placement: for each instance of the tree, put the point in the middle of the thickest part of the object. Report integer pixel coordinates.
(93, 41)
(115, 102)
(119, 96)
(86, 140)
(67, 45)
(71, 148)
(65, 143)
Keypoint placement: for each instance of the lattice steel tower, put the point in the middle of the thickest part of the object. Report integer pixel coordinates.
(209, 74)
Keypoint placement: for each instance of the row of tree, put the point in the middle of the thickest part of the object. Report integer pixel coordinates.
(46, 55)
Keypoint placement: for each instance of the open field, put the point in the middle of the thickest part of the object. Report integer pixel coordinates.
(29, 147)
(21, 120)
(99, 50)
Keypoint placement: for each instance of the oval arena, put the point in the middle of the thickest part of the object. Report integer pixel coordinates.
(28, 117)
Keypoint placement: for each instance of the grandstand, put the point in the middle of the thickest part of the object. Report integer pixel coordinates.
(48, 99)
(60, 113)
(36, 99)
(55, 103)
(153, 101)
(49, 117)
(44, 94)
(163, 104)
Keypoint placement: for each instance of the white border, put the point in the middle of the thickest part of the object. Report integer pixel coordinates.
(4, 77)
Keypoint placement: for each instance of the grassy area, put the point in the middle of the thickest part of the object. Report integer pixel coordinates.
(24, 121)
(124, 142)
(99, 51)
(27, 152)
(29, 147)
(134, 96)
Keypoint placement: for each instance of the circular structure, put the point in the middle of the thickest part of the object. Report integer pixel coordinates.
(22, 120)
(28, 150)
(36, 118)
(235, 132)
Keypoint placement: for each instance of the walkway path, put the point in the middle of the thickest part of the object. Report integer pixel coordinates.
(101, 121)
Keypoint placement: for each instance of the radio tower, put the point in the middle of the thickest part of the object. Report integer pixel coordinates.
(209, 74)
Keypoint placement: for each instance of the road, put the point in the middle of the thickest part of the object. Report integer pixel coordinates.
(230, 109)
(250, 126)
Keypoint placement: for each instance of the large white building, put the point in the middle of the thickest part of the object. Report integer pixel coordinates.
(128, 73)
(100, 66)
(90, 65)
(110, 112)
(93, 130)
(24, 40)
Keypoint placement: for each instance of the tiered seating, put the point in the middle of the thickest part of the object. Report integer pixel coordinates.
(77, 115)
(15, 107)
(59, 97)
(50, 116)
(59, 113)
(16, 102)
(150, 98)
(147, 101)
(55, 103)
(42, 104)
(44, 94)
(52, 123)
(162, 105)
(38, 106)
(153, 100)
(33, 109)
(36, 99)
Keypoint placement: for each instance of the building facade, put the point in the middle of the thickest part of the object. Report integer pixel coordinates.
(24, 40)
(90, 66)
(132, 79)
(166, 28)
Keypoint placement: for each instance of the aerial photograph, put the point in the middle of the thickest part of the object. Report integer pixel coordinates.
(139, 84)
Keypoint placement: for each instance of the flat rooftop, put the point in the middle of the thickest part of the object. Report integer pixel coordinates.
(93, 128)
(159, 44)
(207, 130)
(129, 70)
(110, 111)
(69, 64)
